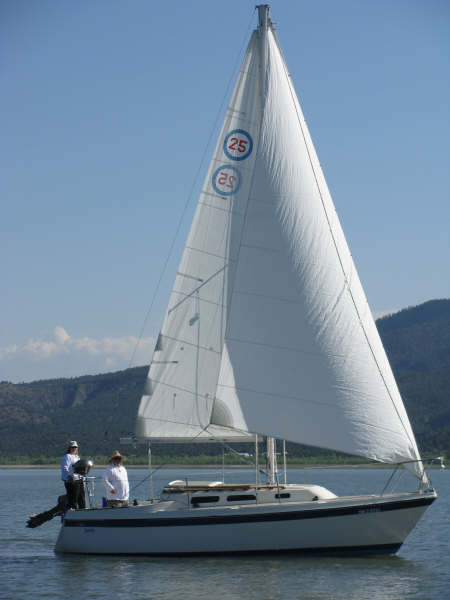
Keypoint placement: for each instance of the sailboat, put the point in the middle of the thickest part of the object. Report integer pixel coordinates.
(267, 333)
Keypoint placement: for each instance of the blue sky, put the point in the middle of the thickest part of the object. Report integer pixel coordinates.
(106, 110)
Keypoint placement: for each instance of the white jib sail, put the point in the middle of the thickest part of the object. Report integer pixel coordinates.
(268, 329)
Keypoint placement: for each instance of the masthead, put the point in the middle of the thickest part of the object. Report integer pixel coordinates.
(263, 15)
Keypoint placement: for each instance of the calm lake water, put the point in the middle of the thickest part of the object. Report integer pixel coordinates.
(29, 569)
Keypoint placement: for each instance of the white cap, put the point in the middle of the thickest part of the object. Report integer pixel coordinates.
(73, 444)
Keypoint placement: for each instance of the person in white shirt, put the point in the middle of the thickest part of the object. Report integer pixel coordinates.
(72, 482)
(115, 479)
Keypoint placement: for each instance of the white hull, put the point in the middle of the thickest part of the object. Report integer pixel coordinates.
(353, 524)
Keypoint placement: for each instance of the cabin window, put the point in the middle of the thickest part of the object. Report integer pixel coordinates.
(283, 495)
(204, 499)
(241, 497)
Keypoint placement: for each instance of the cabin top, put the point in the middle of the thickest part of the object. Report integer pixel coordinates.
(179, 486)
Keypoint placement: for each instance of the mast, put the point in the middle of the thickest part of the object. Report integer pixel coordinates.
(150, 470)
(263, 26)
(272, 468)
(263, 16)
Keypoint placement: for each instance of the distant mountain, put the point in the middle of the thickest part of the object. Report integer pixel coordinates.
(37, 419)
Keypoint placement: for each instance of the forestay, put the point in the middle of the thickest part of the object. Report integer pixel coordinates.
(268, 329)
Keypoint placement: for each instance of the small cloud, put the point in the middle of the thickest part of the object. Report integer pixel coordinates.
(61, 335)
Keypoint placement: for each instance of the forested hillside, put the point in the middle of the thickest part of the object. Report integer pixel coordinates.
(37, 419)
(417, 342)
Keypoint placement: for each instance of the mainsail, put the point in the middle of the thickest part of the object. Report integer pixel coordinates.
(180, 399)
(268, 329)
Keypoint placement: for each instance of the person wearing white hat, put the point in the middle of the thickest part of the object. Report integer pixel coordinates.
(116, 483)
(72, 481)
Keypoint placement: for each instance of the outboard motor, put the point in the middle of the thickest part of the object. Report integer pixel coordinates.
(82, 467)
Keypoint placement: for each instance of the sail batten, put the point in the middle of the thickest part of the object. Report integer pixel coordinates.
(298, 353)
